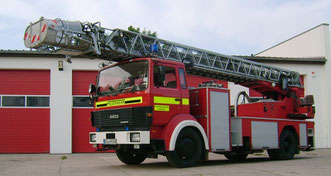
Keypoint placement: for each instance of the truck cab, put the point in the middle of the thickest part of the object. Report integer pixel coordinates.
(134, 102)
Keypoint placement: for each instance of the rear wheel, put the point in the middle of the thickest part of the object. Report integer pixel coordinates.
(287, 147)
(188, 149)
(131, 157)
(272, 154)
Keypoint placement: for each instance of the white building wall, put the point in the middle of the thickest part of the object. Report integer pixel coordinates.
(307, 44)
(312, 43)
(234, 91)
(327, 83)
(60, 93)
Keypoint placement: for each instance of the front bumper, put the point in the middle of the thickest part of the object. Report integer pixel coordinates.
(120, 137)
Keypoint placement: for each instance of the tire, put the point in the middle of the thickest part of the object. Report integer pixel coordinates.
(272, 154)
(236, 155)
(131, 157)
(287, 147)
(188, 149)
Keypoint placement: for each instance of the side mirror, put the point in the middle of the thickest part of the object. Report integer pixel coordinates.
(161, 75)
(91, 99)
(92, 88)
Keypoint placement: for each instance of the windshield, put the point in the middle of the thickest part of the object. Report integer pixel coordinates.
(127, 77)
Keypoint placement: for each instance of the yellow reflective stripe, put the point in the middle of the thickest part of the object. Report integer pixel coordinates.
(185, 101)
(119, 102)
(133, 100)
(161, 108)
(166, 100)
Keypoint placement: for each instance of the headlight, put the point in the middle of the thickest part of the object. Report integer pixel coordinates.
(93, 138)
(135, 137)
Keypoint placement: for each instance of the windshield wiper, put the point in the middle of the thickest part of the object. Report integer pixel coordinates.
(108, 93)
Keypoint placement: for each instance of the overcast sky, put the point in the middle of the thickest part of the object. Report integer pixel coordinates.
(241, 27)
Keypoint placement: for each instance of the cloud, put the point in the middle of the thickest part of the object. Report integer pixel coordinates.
(229, 27)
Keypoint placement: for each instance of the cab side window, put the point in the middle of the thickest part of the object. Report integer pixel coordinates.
(170, 77)
(182, 79)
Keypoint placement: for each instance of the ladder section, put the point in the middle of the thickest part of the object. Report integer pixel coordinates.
(205, 63)
(92, 40)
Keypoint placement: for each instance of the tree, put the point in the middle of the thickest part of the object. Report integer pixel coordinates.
(137, 30)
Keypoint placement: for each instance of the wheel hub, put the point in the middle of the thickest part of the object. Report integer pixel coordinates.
(186, 148)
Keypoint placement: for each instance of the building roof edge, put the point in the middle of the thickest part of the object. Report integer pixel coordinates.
(322, 24)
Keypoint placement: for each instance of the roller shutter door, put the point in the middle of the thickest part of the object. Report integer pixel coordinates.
(24, 111)
(81, 125)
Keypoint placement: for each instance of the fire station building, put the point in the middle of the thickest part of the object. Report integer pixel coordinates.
(44, 104)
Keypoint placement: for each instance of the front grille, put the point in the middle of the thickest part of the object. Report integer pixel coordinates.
(122, 119)
(110, 118)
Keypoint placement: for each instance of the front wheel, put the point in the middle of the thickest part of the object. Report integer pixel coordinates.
(188, 149)
(131, 157)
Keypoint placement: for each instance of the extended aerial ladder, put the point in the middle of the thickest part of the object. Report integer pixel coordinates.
(74, 38)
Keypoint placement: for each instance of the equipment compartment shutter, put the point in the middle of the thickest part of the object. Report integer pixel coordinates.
(24, 124)
(81, 125)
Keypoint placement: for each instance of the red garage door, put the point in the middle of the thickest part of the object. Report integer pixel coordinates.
(24, 111)
(81, 125)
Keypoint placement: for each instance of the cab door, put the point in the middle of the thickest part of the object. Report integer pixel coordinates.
(166, 95)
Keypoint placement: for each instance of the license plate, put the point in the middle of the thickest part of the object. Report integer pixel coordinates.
(113, 141)
(110, 141)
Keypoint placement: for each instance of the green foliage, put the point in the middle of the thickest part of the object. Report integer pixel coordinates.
(137, 30)
(131, 28)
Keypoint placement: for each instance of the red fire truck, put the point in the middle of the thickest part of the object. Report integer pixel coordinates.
(144, 107)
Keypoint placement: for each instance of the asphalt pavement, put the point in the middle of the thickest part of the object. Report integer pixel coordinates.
(317, 163)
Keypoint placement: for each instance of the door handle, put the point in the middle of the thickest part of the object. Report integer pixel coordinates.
(178, 99)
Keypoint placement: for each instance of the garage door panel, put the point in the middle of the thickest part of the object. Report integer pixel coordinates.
(81, 81)
(24, 111)
(80, 130)
(24, 130)
(81, 125)
(25, 82)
